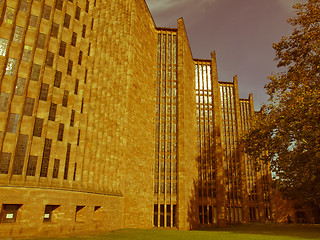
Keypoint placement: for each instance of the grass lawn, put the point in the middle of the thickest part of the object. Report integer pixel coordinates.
(240, 232)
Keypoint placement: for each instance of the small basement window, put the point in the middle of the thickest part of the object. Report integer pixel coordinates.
(9, 212)
(48, 212)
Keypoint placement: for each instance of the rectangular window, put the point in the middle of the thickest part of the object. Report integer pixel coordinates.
(52, 112)
(87, 5)
(60, 132)
(66, 167)
(32, 165)
(76, 87)
(75, 172)
(89, 49)
(78, 141)
(69, 70)
(80, 214)
(11, 66)
(9, 213)
(168, 215)
(41, 40)
(57, 79)
(4, 98)
(45, 157)
(9, 15)
(33, 22)
(20, 154)
(82, 101)
(84, 30)
(55, 172)
(80, 58)
(20, 86)
(65, 98)
(46, 12)
(66, 22)
(3, 46)
(18, 33)
(28, 107)
(24, 5)
(62, 50)
(74, 39)
(35, 72)
(50, 58)
(59, 4)
(155, 215)
(49, 212)
(13, 123)
(54, 30)
(27, 52)
(44, 91)
(78, 10)
(37, 129)
(85, 76)
(92, 24)
(4, 162)
(161, 215)
(72, 118)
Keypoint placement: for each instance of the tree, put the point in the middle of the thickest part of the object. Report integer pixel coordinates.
(287, 130)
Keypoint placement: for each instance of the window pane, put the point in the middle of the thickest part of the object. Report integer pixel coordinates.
(18, 33)
(21, 83)
(37, 129)
(5, 162)
(13, 123)
(27, 53)
(57, 79)
(46, 12)
(41, 40)
(20, 154)
(24, 5)
(35, 72)
(33, 22)
(28, 107)
(54, 30)
(3, 46)
(11, 66)
(44, 91)
(32, 165)
(9, 15)
(4, 97)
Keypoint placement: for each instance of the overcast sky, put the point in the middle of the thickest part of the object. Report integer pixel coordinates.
(240, 31)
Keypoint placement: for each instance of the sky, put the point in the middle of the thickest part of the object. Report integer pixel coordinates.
(241, 32)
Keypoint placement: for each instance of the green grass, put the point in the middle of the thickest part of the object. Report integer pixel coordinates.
(239, 232)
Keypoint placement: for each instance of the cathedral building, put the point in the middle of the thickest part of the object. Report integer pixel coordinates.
(108, 122)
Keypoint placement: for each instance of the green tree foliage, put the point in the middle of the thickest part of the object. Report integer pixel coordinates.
(287, 131)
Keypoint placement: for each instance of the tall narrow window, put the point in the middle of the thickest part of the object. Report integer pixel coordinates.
(74, 39)
(82, 101)
(84, 30)
(78, 141)
(55, 172)
(9, 15)
(54, 30)
(60, 132)
(76, 87)
(35, 72)
(85, 76)
(89, 49)
(44, 91)
(92, 23)
(52, 112)
(87, 5)
(66, 22)
(80, 58)
(32, 165)
(78, 10)
(45, 157)
(20, 154)
(75, 172)
(28, 107)
(65, 98)
(62, 50)
(66, 167)
(72, 118)
(69, 70)
(37, 129)
(4, 162)
(57, 79)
